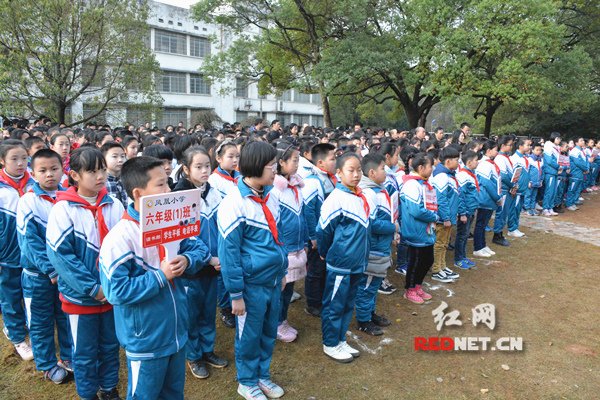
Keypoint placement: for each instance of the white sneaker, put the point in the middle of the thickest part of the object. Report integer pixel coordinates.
(490, 251)
(547, 213)
(573, 208)
(450, 274)
(24, 350)
(552, 212)
(516, 233)
(338, 353)
(481, 253)
(538, 207)
(353, 352)
(295, 297)
(581, 199)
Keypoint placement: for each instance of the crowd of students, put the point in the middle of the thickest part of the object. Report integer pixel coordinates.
(325, 206)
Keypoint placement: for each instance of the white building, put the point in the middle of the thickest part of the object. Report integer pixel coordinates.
(180, 45)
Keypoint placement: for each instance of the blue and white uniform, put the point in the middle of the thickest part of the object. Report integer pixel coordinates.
(579, 165)
(514, 214)
(506, 166)
(551, 167)
(536, 177)
(41, 296)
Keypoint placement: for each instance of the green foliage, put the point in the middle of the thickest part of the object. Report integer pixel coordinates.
(57, 52)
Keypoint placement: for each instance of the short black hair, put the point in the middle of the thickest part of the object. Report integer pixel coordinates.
(100, 135)
(448, 153)
(110, 145)
(158, 151)
(128, 139)
(320, 151)
(468, 156)
(135, 173)
(371, 161)
(536, 144)
(45, 153)
(31, 140)
(255, 157)
(503, 140)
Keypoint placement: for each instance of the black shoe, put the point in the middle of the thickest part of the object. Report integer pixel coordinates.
(499, 240)
(112, 395)
(314, 311)
(450, 247)
(379, 320)
(198, 369)
(370, 328)
(214, 360)
(228, 318)
(558, 209)
(470, 237)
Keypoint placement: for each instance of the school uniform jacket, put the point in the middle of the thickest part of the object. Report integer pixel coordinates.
(248, 250)
(304, 167)
(32, 219)
(223, 182)
(209, 231)
(415, 217)
(536, 171)
(317, 187)
(392, 185)
(73, 246)
(10, 253)
(579, 163)
(489, 185)
(468, 201)
(551, 155)
(446, 185)
(382, 227)
(294, 231)
(519, 160)
(344, 231)
(504, 162)
(151, 317)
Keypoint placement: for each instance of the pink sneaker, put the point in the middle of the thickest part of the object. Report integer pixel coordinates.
(422, 294)
(595, 187)
(284, 334)
(411, 295)
(289, 327)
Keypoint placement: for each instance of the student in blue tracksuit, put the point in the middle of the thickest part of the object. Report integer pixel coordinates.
(536, 177)
(419, 216)
(383, 228)
(14, 183)
(317, 187)
(77, 226)
(39, 278)
(253, 263)
(488, 176)
(447, 192)
(551, 171)
(519, 159)
(580, 166)
(148, 295)
(201, 286)
(294, 233)
(597, 167)
(468, 203)
(563, 178)
(343, 237)
(588, 150)
(508, 194)
(224, 179)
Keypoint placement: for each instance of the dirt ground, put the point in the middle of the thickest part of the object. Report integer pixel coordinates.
(544, 288)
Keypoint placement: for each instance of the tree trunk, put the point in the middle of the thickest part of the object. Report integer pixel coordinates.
(62, 109)
(325, 105)
(412, 114)
(490, 110)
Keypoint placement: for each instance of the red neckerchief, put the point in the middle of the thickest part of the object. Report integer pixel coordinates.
(71, 195)
(472, 175)
(507, 157)
(225, 176)
(456, 181)
(331, 176)
(358, 192)
(268, 215)
(495, 166)
(45, 197)
(406, 178)
(22, 183)
(539, 168)
(295, 192)
(387, 196)
(161, 248)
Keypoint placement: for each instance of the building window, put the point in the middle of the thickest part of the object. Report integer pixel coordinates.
(316, 98)
(286, 96)
(301, 97)
(137, 117)
(171, 82)
(318, 121)
(91, 109)
(241, 88)
(198, 85)
(240, 116)
(282, 118)
(169, 42)
(199, 47)
(87, 75)
(173, 116)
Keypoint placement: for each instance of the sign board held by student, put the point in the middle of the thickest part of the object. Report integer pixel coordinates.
(166, 219)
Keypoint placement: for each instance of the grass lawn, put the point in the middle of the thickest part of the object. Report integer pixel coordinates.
(544, 289)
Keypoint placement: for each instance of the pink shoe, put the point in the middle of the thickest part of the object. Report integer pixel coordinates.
(595, 187)
(411, 295)
(422, 294)
(284, 334)
(289, 327)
